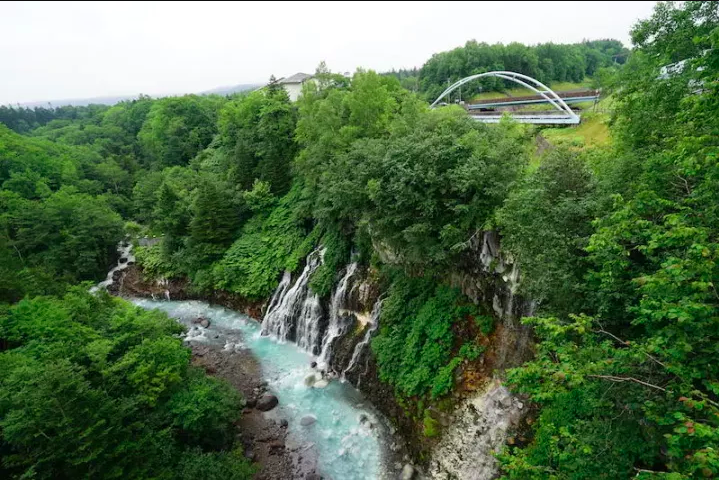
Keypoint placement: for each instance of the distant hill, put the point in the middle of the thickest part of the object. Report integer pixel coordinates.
(112, 100)
(242, 87)
(79, 102)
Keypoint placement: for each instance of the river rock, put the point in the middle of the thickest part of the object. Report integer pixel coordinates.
(505, 399)
(322, 383)
(251, 403)
(266, 403)
(310, 380)
(284, 423)
(308, 420)
(313, 365)
(407, 472)
(205, 323)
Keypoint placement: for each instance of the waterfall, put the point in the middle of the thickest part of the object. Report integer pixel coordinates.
(296, 313)
(336, 326)
(126, 258)
(280, 291)
(360, 347)
(308, 324)
(287, 301)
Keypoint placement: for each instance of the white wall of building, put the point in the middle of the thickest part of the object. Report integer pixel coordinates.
(293, 90)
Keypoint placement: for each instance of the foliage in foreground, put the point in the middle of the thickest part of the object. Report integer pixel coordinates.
(91, 386)
(631, 389)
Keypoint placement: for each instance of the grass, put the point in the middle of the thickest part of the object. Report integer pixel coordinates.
(593, 131)
(562, 86)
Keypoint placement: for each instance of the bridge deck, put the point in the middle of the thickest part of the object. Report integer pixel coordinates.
(537, 118)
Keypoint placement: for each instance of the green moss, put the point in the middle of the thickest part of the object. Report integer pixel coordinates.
(485, 324)
(431, 426)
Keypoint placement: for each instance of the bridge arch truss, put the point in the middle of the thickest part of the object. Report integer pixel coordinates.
(566, 113)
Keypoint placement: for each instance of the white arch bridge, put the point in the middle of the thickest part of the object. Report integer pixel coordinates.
(562, 115)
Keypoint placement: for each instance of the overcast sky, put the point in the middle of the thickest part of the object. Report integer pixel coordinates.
(60, 50)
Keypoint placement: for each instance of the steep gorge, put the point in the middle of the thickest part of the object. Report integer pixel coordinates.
(473, 422)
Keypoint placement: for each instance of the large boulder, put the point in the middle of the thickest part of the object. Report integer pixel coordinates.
(205, 323)
(266, 403)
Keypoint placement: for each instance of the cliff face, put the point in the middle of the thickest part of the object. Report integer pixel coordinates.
(477, 419)
(131, 283)
(489, 277)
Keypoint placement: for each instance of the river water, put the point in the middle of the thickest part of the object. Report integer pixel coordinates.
(348, 435)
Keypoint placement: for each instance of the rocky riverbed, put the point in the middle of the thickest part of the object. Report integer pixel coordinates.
(263, 439)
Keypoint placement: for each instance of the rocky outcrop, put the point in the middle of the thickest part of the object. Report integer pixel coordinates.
(480, 428)
(266, 403)
(133, 284)
(308, 420)
(491, 278)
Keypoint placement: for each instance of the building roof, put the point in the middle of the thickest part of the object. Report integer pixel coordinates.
(296, 78)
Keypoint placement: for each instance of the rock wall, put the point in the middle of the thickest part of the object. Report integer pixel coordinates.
(489, 277)
(478, 429)
(131, 283)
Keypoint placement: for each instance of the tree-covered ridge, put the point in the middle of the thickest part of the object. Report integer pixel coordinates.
(91, 386)
(547, 62)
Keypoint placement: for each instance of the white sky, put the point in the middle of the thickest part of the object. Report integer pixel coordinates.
(63, 50)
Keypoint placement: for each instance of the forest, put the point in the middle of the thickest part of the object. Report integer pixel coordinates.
(547, 62)
(618, 244)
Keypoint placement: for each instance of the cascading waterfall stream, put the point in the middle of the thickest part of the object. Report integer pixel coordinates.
(126, 258)
(336, 327)
(287, 303)
(349, 436)
(308, 324)
(361, 346)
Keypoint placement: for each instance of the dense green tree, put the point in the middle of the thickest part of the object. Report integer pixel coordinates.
(68, 235)
(257, 135)
(631, 391)
(546, 223)
(546, 62)
(177, 129)
(93, 386)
